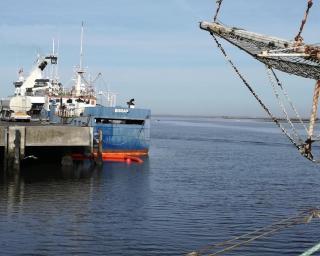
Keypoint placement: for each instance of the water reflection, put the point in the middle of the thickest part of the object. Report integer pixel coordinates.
(36, 172)
(72, 185)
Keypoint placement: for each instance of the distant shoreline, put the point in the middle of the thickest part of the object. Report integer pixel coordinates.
(262, 119)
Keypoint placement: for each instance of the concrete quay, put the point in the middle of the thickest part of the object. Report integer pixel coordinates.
(21, 141)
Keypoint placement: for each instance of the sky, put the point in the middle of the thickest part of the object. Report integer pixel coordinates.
(154, 51)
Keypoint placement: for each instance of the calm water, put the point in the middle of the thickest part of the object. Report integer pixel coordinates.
(206, 180)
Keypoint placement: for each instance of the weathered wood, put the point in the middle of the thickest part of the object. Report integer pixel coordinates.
(5, 150)
(17, 146)
(2, 136)
(99, 160)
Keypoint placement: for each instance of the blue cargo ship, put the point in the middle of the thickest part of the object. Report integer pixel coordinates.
(124, 130)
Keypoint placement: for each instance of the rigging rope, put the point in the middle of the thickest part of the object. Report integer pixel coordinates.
(311, 251)
(298, 37)
(219, 2)
(314, 109)
(302, 218)
(275, 91)
(303, 147)
(285, 93)
(306, 148)
(245, 82)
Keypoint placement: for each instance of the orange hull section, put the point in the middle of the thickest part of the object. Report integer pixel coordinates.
(112, 157)
(125, 152)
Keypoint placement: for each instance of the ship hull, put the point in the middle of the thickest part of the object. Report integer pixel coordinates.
(124, 130)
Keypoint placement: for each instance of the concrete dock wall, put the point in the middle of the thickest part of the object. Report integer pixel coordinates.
(47, 136)
(17, 139)
(58, 136)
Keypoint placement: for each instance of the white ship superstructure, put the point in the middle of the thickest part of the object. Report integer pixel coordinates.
(31, 93)
(39, 96)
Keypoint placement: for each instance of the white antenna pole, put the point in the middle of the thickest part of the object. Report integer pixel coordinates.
(80, 71)
(81, 48)
(58, 47)
(52, 66)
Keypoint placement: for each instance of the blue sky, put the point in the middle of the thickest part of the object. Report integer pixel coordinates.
(154, 51)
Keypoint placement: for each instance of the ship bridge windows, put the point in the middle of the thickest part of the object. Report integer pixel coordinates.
(41, 82)
(53, 59)
(119, 121)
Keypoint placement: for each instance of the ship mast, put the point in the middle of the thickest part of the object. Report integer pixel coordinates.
(53, 67)
(81, 46)
(53, 53)
(80, 71)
